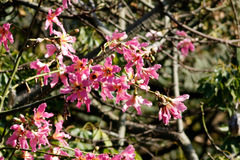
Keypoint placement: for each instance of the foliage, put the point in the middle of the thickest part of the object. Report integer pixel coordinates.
(221, 89)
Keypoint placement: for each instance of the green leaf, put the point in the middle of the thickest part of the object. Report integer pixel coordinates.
(96, 134)
(75, 132)
(137, 156)
(106, 139)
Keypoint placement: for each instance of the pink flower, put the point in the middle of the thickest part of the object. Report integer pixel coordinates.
(181, 33)
(60, 135)
(106, 72)
(127, 154)
(186, 45)
(65, 5)
(153, 34)
(40, 115)
(79, 65)
(19, 135)
(106, 89)
(78, 154)
(62, 75)
(134, 53)
(52, 17)
(103, 157)
(94, 80)
(51, 48)
(40, 137)
(41, 67)
(79, 89)
(121, 85)
(1, 158)
(174, 107)
(89, 156)
(6, 34)
(117, 36)
(57, 151)
(65, 45)
(136, 102)
(147, 73)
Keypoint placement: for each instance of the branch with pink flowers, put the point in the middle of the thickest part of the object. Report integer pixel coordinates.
(82, 76)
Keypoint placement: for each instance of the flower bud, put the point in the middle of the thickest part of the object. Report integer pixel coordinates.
(154, 50)
(15, 119)
(22, 118)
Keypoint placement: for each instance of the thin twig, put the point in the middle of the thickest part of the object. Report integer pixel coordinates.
(227, 42)
(22, 108)
(209, 136)
(236, 18)
(29, 150)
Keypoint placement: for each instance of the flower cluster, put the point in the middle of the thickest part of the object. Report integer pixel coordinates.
(186, 44)
(168, 107)
(81, 77)
(127, 154)
(6, 35)
(36, 130)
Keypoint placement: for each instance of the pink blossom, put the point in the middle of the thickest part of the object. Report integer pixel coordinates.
(78, 154)
(181, 33)
(106, 89)
(41, 67)
(134, 53)
(79, 89)
(121, 85)
(103, 157)
(186, 45)
(40, 115)
(66, 2)
(57, 151)
(117, 36)
(94, 80)
(62, 75)
(79, 65)
(89, 156)
(127, 154)
(65, 43)
(51, 48)
(153, 34)
(136, 102)
(173, 108)
(147, 73)
(1, 158)
(19, 135)
(6, 34)
(40, 137)
(106, 72)
(60, 135)
(52, 17)
(114, 40)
